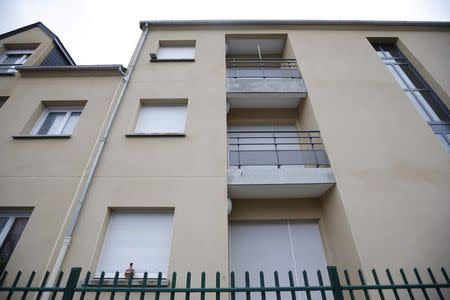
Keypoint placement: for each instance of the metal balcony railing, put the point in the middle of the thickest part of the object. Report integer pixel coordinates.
(262, 68)
(276, 148)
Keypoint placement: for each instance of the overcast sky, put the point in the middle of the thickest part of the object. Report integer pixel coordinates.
(106, 31)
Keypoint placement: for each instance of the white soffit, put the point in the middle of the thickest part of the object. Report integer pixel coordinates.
(250, 46)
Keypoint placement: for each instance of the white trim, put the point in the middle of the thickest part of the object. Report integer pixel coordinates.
(6, 229)
(11, 215)
(25, 55)
(47, 111)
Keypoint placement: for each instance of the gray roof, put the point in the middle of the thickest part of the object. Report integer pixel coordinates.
(292, 22)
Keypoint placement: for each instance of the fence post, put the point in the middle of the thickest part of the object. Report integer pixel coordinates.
(335, 284)
(71, 284)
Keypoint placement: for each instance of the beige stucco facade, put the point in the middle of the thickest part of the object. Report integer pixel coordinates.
(390, 204)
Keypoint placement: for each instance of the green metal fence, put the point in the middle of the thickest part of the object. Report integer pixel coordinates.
(76, 287)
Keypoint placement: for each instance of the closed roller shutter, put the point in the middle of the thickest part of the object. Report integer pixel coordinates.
(138, 237)
(280, 246)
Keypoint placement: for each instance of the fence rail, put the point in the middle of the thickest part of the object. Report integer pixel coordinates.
(329, 287)
(262, 68)
(276, 148)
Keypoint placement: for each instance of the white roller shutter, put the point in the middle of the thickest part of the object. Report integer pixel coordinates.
(162, 119)
(142, 238)
(176, 52)
(282, 247)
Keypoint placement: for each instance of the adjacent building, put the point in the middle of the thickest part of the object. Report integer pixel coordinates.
(228, 146)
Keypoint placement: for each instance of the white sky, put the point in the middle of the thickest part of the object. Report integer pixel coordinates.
(106, 31)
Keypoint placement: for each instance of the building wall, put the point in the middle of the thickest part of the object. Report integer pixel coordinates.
(185, 173)
(391, 171)
(382, 166)
(389, 208)
(44, 174)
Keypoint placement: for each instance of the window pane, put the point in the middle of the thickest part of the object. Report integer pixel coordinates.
(161, 119)
(3, 221)
(12, 59)
(71, 122)
(11, 241)
(52, 123)
(390, 50)
(411, 79)
(426, 100)
(419, 108)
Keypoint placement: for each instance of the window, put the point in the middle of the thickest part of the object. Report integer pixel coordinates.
(57, 121)
(3, 100)
(276, 246)
(141, 238)
(12, 225)
(162, 119)
(12, 58)
(176, 50)
(427, 103)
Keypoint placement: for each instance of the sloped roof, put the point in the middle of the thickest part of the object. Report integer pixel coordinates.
(44, 28)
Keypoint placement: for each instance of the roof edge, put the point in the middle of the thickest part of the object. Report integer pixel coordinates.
(293, 22)
(119, 69)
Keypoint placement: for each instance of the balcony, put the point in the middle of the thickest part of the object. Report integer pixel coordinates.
(255, 82)
(278, 164)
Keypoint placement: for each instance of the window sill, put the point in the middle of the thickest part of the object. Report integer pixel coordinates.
(49, 136)
(174, 134)
(124, 282)
(173, 60)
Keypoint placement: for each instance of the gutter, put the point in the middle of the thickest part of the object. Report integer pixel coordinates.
(292, 22)
(75, 213)
(119, 69)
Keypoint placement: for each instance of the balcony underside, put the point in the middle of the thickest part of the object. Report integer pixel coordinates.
(266, 182)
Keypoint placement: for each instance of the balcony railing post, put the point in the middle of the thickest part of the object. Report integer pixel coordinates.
(261, 66)
(238, 152)
(276, 149)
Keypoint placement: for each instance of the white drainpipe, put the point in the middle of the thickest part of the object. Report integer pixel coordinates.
(106, 130)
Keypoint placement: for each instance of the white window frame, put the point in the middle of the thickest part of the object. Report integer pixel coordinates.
(10, 68)
(47, 111)
(11, 218)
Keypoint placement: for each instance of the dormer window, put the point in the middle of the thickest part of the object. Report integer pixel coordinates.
(12, 58)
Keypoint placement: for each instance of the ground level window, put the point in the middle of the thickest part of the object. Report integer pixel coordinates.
(141, 238)
(12, 225)
(276, 246)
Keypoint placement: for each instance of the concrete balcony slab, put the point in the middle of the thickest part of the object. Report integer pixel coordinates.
(265, 182)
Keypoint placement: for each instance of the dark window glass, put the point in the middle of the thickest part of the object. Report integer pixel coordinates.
(422, 97)
(11, 240)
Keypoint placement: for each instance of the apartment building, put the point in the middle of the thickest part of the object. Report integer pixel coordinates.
(228, 146)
